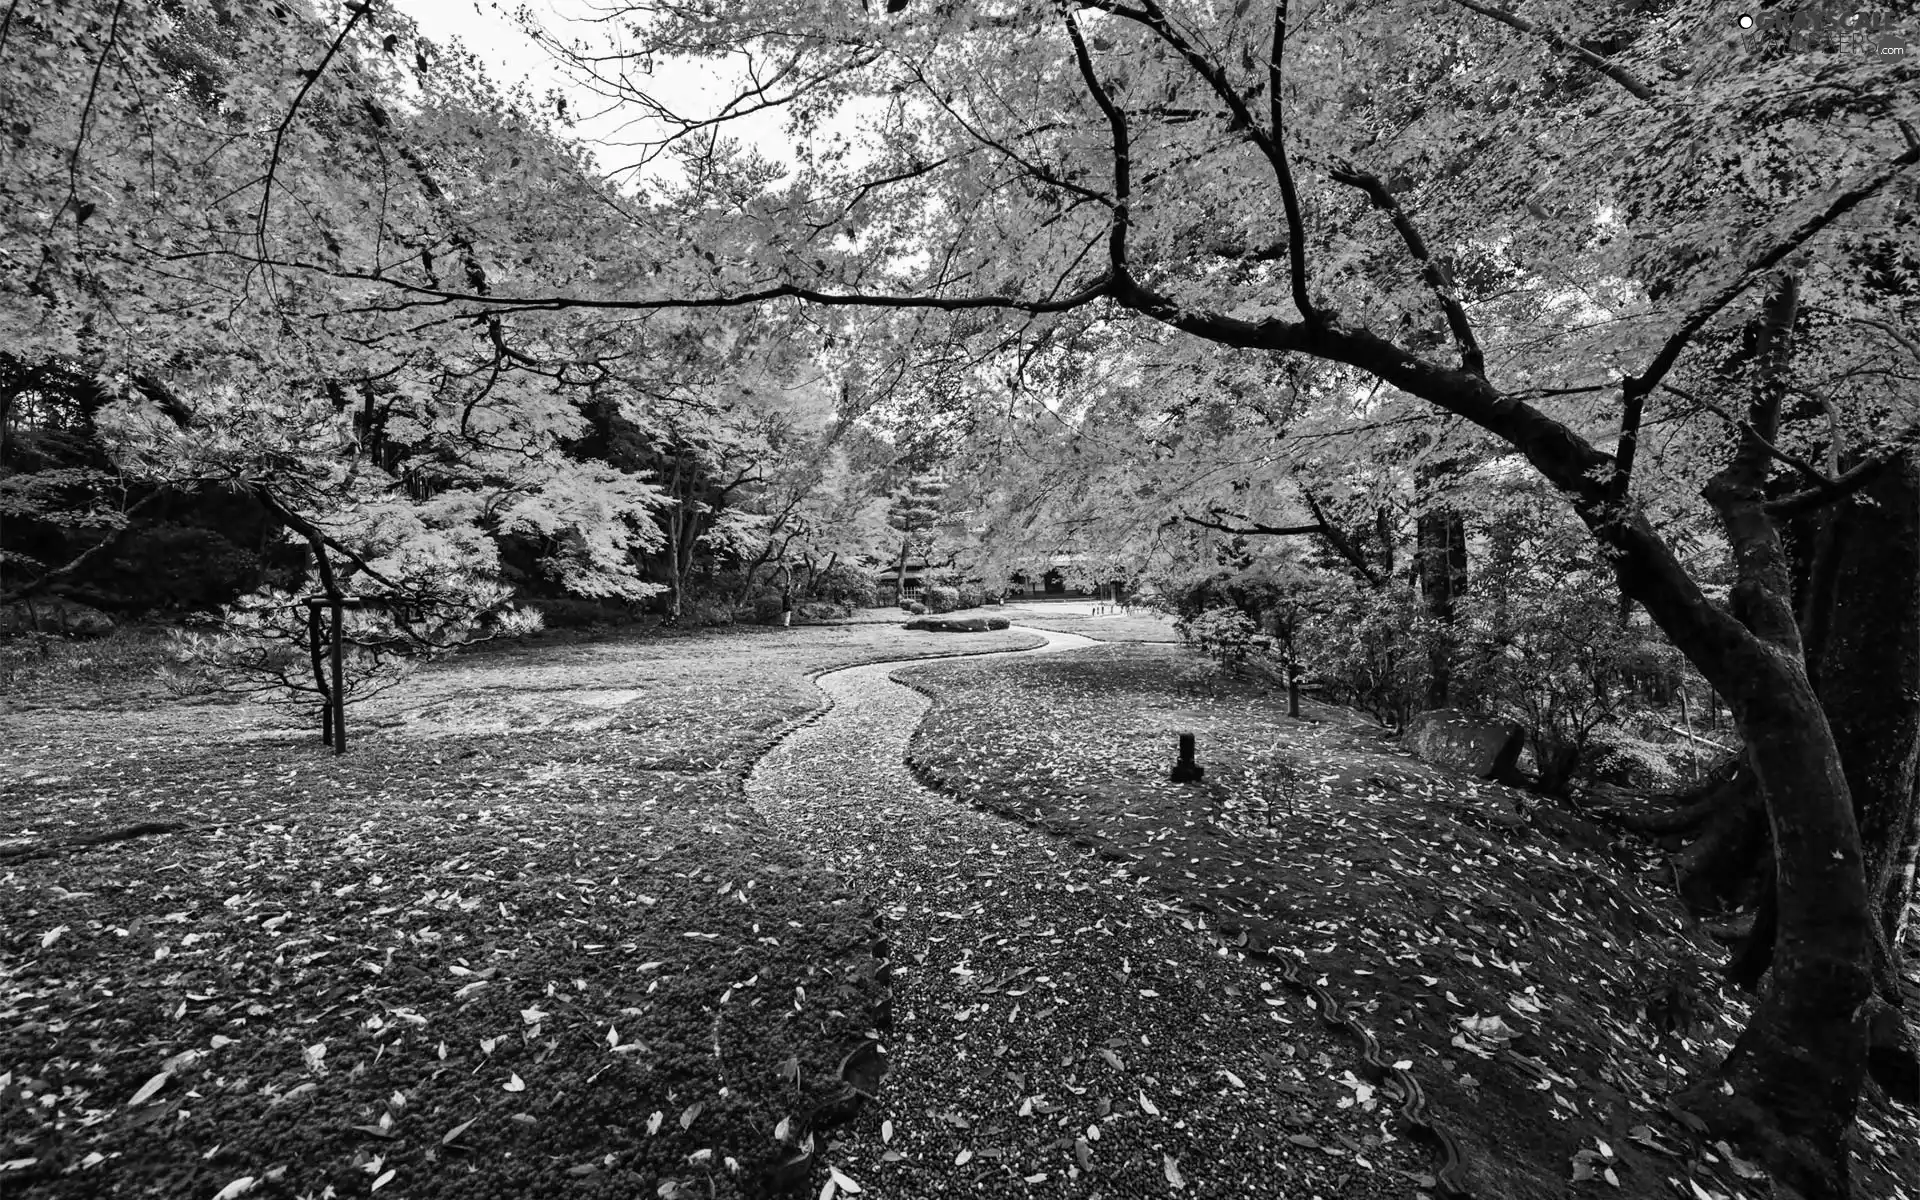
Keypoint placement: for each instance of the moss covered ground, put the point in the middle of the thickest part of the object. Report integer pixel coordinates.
(524, 939)
(1550, 993)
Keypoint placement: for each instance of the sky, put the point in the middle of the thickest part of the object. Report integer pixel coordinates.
(487, 27)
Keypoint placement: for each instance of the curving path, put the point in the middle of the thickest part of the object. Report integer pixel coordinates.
(1057, 1031)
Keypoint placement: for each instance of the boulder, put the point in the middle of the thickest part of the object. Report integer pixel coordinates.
(1448, 737)
(54, 615)
(959, 624)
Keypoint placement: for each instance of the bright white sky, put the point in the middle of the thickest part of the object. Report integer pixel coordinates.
(488, 29)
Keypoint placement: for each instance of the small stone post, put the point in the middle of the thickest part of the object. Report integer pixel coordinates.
(1186, 770)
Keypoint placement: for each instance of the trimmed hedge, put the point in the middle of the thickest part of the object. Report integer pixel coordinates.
(959, 624)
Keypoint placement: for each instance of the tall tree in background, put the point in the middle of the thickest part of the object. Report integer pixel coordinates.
(915, 513)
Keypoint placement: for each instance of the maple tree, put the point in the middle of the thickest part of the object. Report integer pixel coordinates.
(148, 167)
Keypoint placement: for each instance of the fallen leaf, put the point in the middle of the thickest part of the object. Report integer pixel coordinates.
(456, 1131)
(514, 1083)
(1172, 1167)
(149, 1088)
(1146, 1106)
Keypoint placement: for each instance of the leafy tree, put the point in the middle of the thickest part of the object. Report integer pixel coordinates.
(916, 514)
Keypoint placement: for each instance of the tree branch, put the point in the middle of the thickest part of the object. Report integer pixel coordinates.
(1342, 544)
(86, 118)
(1153, 17)
(1849, 481)
(1289, 195)
(1762, 592)
(1635, 389)
(356, 11)
(1819, 478)
(1122, 158)
(1564, 46)
(1252, 528)
(1438, 281)
(40, 584)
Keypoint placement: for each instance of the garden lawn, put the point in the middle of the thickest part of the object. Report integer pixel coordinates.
(525, 938)
(1550, 996)
(1074, 616)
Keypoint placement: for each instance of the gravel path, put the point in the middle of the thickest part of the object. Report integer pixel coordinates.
(1058, 1031)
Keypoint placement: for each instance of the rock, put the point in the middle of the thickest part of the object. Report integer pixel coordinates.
(959, 624)
(54, 615)
(1451, 738)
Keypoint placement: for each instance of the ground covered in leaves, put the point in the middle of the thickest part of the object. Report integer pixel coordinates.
(1550, 993)
(1057, 1029)
(526, 938)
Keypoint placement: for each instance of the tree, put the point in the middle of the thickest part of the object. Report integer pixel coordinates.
(916, 513)
(142, 200)
(1289, 181)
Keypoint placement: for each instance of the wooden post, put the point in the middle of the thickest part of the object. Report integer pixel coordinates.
(1186, 770)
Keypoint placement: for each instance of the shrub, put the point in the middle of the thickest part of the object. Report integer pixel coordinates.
(48, 662)
(703, 612)
(569, 612)
(913, 606)
(971, 596)
(822, 610)
(844, 584)
(1222, 634)
(941, 598)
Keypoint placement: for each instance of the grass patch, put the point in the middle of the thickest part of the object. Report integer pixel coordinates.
(47, 667)
(1550, 996)
(527, 912)
(1140, 625)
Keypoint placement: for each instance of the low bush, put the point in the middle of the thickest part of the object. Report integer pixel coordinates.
(844, 584)
(568, 612)
(913, 606)
(49, 664)
(822, 610)
(941, 598)
(971, 596)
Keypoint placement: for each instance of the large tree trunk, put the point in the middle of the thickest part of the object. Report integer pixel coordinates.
(1868, 671)
(1790, 1085)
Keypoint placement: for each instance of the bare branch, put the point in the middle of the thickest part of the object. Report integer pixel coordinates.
(1636, 388)
(1746, 429)
(1570, 49)
(73, 200)
(1849, 481)
(1122, 156)
(43, 582)
(1289, 195)
(357, 11)
(1438, 281)
(1252, 528)
(1155, 18)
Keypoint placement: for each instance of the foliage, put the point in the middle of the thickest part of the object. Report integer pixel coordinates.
(37, 666)
(940, 598)
(1223, 634)
(844, 583)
